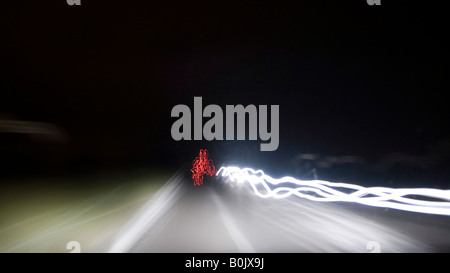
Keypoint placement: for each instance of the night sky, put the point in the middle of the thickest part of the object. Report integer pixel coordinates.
(350, 79)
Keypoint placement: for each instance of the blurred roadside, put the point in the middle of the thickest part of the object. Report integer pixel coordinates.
(398, 169)
(31, 146)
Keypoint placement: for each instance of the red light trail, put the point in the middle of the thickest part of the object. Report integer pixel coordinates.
(201, 166)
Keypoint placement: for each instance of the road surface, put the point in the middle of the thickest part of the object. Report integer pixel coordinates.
(162, 214)
(224, 217)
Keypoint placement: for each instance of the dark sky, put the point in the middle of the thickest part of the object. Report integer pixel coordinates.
(349, 78)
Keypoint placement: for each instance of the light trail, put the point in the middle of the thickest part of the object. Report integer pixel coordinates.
(408, 199)
(144, 219)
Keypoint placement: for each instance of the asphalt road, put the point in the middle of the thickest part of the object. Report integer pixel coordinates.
(154, 213)
(224, 217)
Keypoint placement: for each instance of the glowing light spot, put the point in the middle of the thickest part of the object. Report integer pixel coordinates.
(201, 166)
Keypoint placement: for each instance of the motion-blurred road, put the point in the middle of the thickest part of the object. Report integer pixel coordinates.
(222, 217)
(164, 214)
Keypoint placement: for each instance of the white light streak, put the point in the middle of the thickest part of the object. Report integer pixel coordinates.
(408, 199)
(164, 199)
